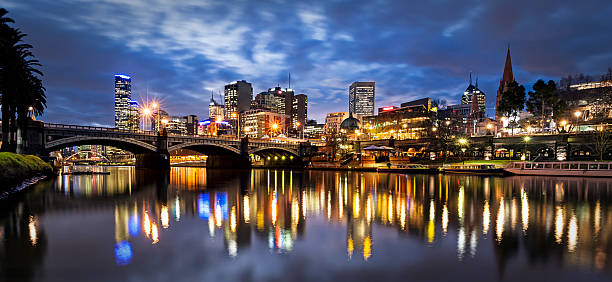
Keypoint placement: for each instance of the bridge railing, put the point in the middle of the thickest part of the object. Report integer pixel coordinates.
(94, 128)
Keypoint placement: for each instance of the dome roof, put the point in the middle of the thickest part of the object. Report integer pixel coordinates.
(350, 123)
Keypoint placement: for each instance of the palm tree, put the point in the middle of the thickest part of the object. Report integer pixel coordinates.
(20, 86)
(5, 31)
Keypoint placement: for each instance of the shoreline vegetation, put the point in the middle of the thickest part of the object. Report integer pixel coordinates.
(15, 169)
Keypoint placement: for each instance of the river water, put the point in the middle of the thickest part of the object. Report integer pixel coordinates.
(275, 225)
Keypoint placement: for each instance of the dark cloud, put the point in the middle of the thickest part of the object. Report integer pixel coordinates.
(179, 51)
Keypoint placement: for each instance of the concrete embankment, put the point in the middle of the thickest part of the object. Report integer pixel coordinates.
(18, 171)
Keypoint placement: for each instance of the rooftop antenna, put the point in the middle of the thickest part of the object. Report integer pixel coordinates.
(476, 81)
(289, 80)
(470, 77)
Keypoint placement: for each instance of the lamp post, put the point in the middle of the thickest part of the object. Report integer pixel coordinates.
(234, 115)
(297, 124)
(577, 114)
(526, 140)
(462, 143)
(154, 105)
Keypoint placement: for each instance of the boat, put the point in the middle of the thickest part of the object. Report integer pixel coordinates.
(564, 168)
(484, 169)
(409, 168)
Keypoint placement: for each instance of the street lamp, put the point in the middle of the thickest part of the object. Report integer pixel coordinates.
(526, 139)
(462, 142)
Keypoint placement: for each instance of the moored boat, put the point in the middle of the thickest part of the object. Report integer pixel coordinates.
(567, 168)
(409, 168)
(484, 169)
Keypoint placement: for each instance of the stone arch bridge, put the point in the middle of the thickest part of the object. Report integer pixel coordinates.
(152, 150)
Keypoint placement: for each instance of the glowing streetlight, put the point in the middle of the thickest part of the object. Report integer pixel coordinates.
(563, 123)
(146, 111)
(577, 114)
(489, 126)
(527, 138)
(164, 121)
(462, 141)
(404, 125)
(275, 126)
(447, 122)
(434, 129)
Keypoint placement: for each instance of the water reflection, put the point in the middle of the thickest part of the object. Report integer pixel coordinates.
(531, 218)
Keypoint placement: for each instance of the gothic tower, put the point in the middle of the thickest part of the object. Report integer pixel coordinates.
(507, 77)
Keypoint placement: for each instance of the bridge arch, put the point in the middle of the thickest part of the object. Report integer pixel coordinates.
(206, 148)
(128, 144)
(264, 150)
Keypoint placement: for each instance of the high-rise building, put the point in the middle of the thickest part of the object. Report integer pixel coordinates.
(507, 77)
(133, 116)
(123, 95)
(299, 112)
(333, 121)
(471, 90)
(215, 110)
(238, 96)
(361, 98)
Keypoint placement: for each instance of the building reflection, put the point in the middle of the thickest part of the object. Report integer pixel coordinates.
(567, 219)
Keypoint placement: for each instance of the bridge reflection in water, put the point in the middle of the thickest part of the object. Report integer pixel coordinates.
(523, 220)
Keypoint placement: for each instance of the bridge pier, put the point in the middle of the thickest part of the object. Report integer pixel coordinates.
(228, 162)
(155, 160)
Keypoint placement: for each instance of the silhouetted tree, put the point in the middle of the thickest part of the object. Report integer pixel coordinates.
(512, 102)
(544, 101)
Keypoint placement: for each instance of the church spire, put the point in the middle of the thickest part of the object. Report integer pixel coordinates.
(508, 77)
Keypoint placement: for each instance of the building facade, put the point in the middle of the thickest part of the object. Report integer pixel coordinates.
(299, 113)
(133, 116)
(333, 121)
(410, 121)
(215, 110)
(265, 124)
(361, 99)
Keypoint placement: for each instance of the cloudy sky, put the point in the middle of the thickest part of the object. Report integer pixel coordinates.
(178, 51)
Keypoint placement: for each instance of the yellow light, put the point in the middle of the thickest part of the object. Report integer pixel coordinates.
(527, 138)
(219, 119)
(247, 209)
(283, 158)
(154, 105)
(33, 231)
(462, 141)
(154, 233)
(146, 111)
(404, 125)
(164, 121)
(577, 113)
(434, 129)
(297, 124)
(164, 217)
(563, 122)
(367, 248)
(489, 126)
(274, 126)
(447, 122)
(275, 158)
(146, 224)
(233, 219)
(234, 115)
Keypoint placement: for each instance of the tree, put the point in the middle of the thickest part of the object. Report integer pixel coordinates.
(602, 141)
(513, 100)
(21, 88)
(544, 102)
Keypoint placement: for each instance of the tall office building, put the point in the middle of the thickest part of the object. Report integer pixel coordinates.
(123, 94)
(215, 110)
(361, 99)
(299, 112)
(133, 116)
(471, 90)
(238, 96)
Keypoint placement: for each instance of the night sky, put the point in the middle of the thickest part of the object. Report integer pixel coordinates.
(178, 51)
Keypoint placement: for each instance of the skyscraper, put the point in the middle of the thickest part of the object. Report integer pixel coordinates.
(215, 110)
(507, 77)
(133, 115)
(238, 96)
(299, 112)
(123, 94)
(471, 90)
(361, 99)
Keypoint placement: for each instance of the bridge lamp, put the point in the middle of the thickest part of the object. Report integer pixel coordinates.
(275, 158)
(283, 158)
(291, 157)
(527, 138)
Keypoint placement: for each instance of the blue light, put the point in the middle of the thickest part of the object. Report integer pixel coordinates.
(224, 122)
(133, 226)
(204, 206)
(123, 76)
(204, 122)
(221, 201)
(123, 253)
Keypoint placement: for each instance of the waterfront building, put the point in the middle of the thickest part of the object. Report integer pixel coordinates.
(410, 121)
(507, 77)
(361, 98)
(123, 96)
(589, 103)
(262, 123)
(472, 90)
(314, 130)
(333, 121)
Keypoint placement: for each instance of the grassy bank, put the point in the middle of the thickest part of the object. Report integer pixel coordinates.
(15, 168)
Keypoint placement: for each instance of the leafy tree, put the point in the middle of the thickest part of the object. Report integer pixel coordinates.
(513, 100)
(544, 102)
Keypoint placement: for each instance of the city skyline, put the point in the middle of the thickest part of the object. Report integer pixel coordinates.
(181, 65)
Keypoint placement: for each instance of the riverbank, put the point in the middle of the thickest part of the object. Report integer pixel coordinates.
(16, 169)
